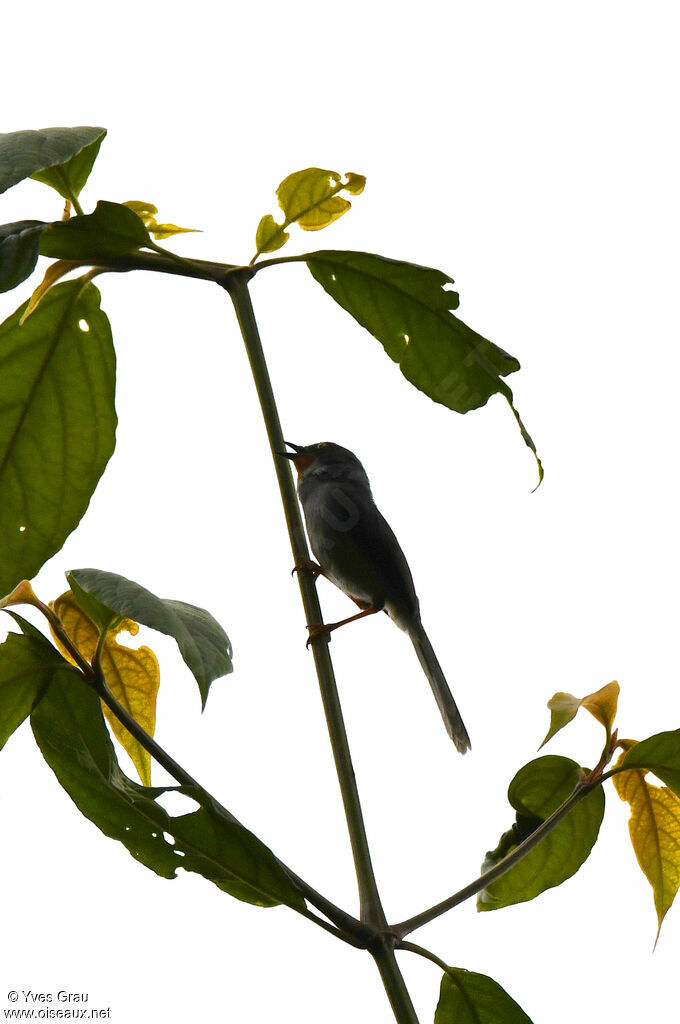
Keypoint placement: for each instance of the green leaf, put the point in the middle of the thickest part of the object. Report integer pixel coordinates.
(69, 178)
(61, 157)
(469, 998)
(203, 643)
(70, 731)
(19, 250)
(537, 790)
(57, 423)
(408, 308)
(660, 754)
(104, 618)
(112, 230)
(27, 665)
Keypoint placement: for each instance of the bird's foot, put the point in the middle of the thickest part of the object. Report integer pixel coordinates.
(308, 565)
(318, 629)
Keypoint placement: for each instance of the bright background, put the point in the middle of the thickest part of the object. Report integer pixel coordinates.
(530, 151)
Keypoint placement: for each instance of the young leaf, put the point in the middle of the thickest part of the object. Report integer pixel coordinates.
(270, 236)
(602, 705)
(469, 998)
(132, 675)
(27, 665)
(68, 153)
(654, 828)
(57, 423)
(309, 199)
(147, 214)
(70, 731)
(661, 755)
(112, 230)
(19, 250)
(537, 790)
(54, 273)
(563, 708)
(203, 643)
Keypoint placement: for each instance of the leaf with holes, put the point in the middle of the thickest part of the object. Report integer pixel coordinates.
(310, 199)
(70, 731)
(203, 643)
(57, 423)
(131, 674)
(535, 793)
(59, 157)
(408, 308)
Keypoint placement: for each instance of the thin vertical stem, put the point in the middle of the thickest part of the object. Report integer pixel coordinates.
(395, 987)
(370, 906)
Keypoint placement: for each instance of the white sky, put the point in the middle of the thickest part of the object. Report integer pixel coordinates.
(530, 151)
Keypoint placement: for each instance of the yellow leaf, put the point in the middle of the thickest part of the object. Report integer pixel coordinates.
(132, 675)
(603, 703)
(53, 273)
(270, 235)
(145, 211)
(655, 834)
(166, 230)
(310, 199)
(147, 214)
(356, 183)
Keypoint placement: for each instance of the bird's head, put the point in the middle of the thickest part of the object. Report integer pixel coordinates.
(324, 458)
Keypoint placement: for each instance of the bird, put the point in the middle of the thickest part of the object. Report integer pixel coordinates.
(357, 550)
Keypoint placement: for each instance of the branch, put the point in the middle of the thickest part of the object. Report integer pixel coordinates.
(204, 270)
(371, 909)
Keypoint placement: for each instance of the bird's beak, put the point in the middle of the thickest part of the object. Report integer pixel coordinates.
(294, 454)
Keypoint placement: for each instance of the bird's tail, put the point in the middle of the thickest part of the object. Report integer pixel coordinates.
(440, 688)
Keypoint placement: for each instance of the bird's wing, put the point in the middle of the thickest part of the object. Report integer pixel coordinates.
(358, 549)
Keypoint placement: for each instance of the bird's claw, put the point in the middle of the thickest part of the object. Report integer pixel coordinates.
(307, 565)
(316, 630)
